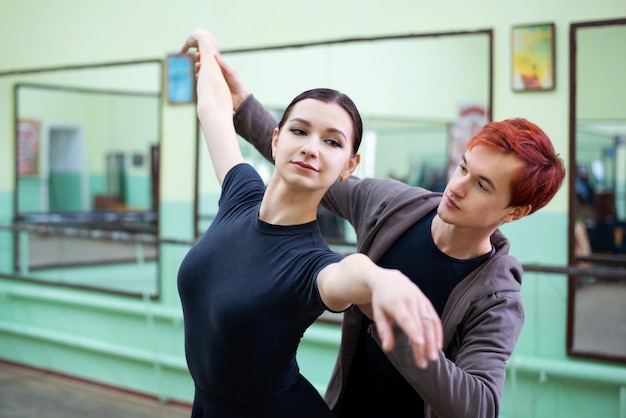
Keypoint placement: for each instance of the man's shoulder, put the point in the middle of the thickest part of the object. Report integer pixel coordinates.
(394, 189)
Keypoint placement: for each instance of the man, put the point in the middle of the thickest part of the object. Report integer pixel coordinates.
(449, 245)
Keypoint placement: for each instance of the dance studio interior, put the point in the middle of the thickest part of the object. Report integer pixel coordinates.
(106, 184)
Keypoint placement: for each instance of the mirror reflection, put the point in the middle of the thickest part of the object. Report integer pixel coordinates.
(411, 130)
(86, 168)
(598, 303)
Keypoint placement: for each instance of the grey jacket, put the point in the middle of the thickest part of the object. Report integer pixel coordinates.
(483, 316)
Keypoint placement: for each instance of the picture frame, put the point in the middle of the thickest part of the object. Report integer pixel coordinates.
(469, 121)
(533, 57)
(28, 147)
(180, 79)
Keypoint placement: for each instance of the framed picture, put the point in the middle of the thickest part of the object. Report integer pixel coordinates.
(471, 118)
(181, 77)
(533, 57)
(28, 147)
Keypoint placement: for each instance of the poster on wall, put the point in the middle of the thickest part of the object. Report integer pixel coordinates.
(28, 147)
(180, 79)
(533, 57)
(471, 118)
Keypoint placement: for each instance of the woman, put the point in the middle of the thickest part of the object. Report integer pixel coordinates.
(262, 272)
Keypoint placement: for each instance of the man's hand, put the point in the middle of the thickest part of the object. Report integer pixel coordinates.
(235, 84)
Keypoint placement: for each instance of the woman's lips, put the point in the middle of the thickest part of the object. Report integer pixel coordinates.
(305, 166)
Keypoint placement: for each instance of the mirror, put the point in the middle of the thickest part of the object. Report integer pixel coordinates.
(87, 142)
(411, 129)
(597, 299)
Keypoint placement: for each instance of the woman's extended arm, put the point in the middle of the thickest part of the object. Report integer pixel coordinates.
(215, 106)
(394, 298)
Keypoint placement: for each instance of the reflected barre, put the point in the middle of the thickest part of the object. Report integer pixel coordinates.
(112, 261)
(604, 272)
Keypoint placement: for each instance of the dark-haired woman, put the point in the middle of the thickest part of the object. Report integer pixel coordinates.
(262, 273)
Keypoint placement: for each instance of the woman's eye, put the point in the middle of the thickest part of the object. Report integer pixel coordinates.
(333, 143)
(298, 131)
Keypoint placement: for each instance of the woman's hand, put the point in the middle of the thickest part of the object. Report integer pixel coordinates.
(396, 299)
(393, 298)
(214, 105)
(200, 38)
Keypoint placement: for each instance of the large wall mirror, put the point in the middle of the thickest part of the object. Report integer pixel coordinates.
(87, 141)
(421, 96)
(597, 299)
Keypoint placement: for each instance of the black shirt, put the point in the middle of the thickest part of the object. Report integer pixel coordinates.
(249, 291)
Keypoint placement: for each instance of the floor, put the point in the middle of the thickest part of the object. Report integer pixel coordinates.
(30, 393)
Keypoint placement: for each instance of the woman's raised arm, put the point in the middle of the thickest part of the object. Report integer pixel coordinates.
(215, 106)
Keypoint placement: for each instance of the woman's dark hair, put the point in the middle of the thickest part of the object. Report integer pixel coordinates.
(331, 96)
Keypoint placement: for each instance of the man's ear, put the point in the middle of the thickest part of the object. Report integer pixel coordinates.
(517, 212)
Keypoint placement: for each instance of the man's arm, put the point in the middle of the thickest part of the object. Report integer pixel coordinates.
(255, 125)
(471, 383)
(252, 121)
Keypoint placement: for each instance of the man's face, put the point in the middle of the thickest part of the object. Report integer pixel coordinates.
(479, 192)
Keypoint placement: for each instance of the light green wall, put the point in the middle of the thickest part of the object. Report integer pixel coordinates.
(29, 195)
(138, 344)
(404, 152)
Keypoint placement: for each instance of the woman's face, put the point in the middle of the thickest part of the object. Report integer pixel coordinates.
(314, 146)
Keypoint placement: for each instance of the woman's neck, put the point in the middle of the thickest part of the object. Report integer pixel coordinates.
(284, 206)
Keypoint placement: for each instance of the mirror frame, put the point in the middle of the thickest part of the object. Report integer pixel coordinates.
(489, 104)
(152, 168)
(572, 262)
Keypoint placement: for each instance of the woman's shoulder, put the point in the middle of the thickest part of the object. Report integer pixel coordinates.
(242, 180)
(239, 174)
